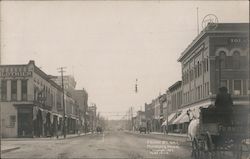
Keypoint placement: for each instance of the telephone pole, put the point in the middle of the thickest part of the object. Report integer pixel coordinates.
(61, 70)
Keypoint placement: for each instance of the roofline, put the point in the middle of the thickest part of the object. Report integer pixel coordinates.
(204, 33)
(174, 85)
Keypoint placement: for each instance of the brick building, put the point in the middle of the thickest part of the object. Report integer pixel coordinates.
(217, 57)
(31, 103)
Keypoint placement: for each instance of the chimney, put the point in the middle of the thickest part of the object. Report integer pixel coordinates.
(31, 62)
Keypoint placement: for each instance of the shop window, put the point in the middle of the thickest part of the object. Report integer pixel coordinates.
(236, 60)
(4, 90)
(237, 87)
(13, 89)
(24, 89)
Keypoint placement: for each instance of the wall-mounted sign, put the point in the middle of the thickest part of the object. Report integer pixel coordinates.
(237, 40)
(16, 74)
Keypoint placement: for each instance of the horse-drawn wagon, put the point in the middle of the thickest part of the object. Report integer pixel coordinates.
(217, 132)
(219, 129)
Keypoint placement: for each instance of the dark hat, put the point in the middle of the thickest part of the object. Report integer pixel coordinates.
(223, 89)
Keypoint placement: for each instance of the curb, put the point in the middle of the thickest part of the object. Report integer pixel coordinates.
(10, 149)
(44, 138)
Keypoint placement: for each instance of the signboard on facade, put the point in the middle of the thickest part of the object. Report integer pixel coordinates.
(16, 74)
(237, 40)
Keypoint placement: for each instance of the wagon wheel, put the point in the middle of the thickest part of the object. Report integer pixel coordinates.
(195, 149)
(238, 149)
(208, 147)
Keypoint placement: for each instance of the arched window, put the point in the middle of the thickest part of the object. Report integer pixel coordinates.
(222, 59)
(236, 59)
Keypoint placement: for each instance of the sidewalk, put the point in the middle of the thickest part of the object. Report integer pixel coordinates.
(8, 148)
(5, 149)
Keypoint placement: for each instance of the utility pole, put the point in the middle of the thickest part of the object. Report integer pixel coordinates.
(132, 122)
(64, 129)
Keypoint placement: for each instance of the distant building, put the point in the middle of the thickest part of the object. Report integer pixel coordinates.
(92, 117)
(140, 119)
(68, 81)
(149, 115)
(81, 96)
(174, 103)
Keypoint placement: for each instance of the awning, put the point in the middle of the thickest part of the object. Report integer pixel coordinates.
(170, 119)
(164, 123)
(194, 109)
(183, 116)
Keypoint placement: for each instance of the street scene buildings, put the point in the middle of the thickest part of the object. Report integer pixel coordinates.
(217, 57)
(32, 103)
(167, 80)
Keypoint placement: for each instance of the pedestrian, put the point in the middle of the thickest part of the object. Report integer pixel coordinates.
(223, 100)
(224, 105)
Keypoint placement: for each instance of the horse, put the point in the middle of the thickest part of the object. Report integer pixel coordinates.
(193, 126)
(193, 130)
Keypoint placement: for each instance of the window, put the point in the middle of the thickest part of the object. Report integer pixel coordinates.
(204, 65)
(207, 64)
(223, 83)
(12, 121)
(4, 90)
(24, 89)
(236, 60)
(208, 88)
(237, 87)
(205, 90)
(222, 59)
(198, 69)
(13, 89)
(248, 87)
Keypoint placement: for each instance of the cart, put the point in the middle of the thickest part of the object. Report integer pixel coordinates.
(220, 132)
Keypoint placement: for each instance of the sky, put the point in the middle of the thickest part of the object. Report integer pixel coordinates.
(107, 45)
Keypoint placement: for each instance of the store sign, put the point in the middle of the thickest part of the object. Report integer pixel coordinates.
(238, 40)
(16, 74)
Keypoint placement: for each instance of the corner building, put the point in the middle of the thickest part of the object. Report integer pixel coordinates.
(31, 103)
(218, 56)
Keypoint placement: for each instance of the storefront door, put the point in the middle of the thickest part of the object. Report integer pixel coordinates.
(25, 126)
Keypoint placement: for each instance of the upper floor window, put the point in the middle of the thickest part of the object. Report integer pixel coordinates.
(24, 89)
(207, 64)
(224, 83)
(248, 86)
(236, 59)
(198, 69)
(222, 59)
(13, 89)
(4, 90)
